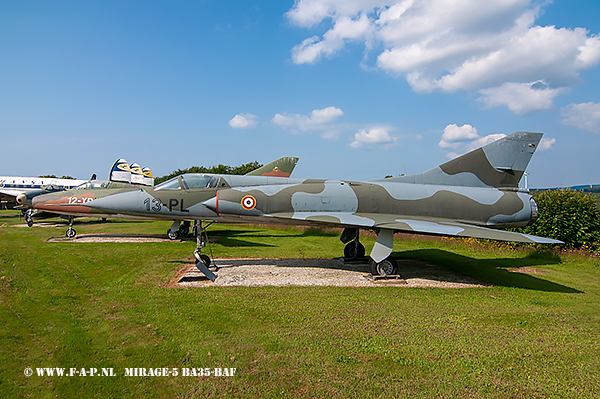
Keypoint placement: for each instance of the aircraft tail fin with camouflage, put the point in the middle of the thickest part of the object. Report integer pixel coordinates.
(282, 167)
(500, 164)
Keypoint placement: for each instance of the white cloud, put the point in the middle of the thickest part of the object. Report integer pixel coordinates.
(243, 121)
(319, 120)
(345, 29)
(451, 45)
(521, 98)
(584, 116)
(546, 144)
(462, 139)
(374, 136)
(454, 135)
(326, 115)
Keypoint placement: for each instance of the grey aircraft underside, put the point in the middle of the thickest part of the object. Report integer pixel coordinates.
(470, 196)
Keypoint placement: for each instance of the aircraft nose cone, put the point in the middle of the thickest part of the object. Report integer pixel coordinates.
(120, 202)
(211, 204)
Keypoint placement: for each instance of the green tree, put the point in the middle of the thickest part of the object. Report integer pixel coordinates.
(568, 215)
(54, 177)
(219, 169)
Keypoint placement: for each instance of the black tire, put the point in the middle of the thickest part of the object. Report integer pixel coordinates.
(354, 250)
(173, 235)
(386, 267)
(70, 233)
(30, 223)
(184, 230)
(205, 259)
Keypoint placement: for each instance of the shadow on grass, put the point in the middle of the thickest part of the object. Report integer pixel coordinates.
(230, 238)
(493, 271)
(83, 221)
(234, 242)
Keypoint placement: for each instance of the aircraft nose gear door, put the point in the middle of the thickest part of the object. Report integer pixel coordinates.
(203, 261)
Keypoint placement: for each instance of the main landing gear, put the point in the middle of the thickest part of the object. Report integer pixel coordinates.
(353, 249)
(382, 263)
(179, 229)
(387, 267)
(28, 217)
(202, 261)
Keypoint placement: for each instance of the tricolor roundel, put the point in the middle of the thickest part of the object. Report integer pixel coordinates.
(248, 202)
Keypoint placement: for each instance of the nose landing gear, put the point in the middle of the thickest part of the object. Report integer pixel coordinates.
(203, 261)
(70, 231)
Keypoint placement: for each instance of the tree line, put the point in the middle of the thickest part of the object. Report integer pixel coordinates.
(217, 169)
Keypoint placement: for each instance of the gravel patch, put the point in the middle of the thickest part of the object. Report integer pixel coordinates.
(87, 238)
(317, 272)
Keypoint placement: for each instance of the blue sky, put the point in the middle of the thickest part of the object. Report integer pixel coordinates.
(358, 89)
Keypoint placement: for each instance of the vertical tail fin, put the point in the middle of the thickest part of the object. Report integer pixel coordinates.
(120, 171)
(137, 176)
(500, 164)
(282, 167)
(148, 177)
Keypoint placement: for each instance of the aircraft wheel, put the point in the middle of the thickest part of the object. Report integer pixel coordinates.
(386, 267)
(70, 233)
(29, 223)
(184, 230)
(173, 235)
(205, 259)
(354, 250)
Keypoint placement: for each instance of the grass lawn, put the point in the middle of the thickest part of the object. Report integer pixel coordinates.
(535, 333)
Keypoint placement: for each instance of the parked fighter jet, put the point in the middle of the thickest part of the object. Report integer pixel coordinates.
(120, 176)
(468, 196)
(22, 189)
(74, 203)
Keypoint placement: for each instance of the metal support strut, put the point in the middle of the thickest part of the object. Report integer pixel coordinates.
(70, 231)
(28, 217)
(203, 261)
(353, 249)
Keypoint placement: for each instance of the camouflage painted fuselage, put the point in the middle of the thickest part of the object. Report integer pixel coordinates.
(366, 204)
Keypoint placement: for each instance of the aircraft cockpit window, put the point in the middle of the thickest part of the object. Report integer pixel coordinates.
(93, 185)
(172, 184)
(196, 181)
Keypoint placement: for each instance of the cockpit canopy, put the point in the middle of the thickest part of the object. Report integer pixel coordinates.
(94, 185)
(189, 181)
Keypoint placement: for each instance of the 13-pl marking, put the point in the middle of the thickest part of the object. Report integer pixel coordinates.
(156, 205)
